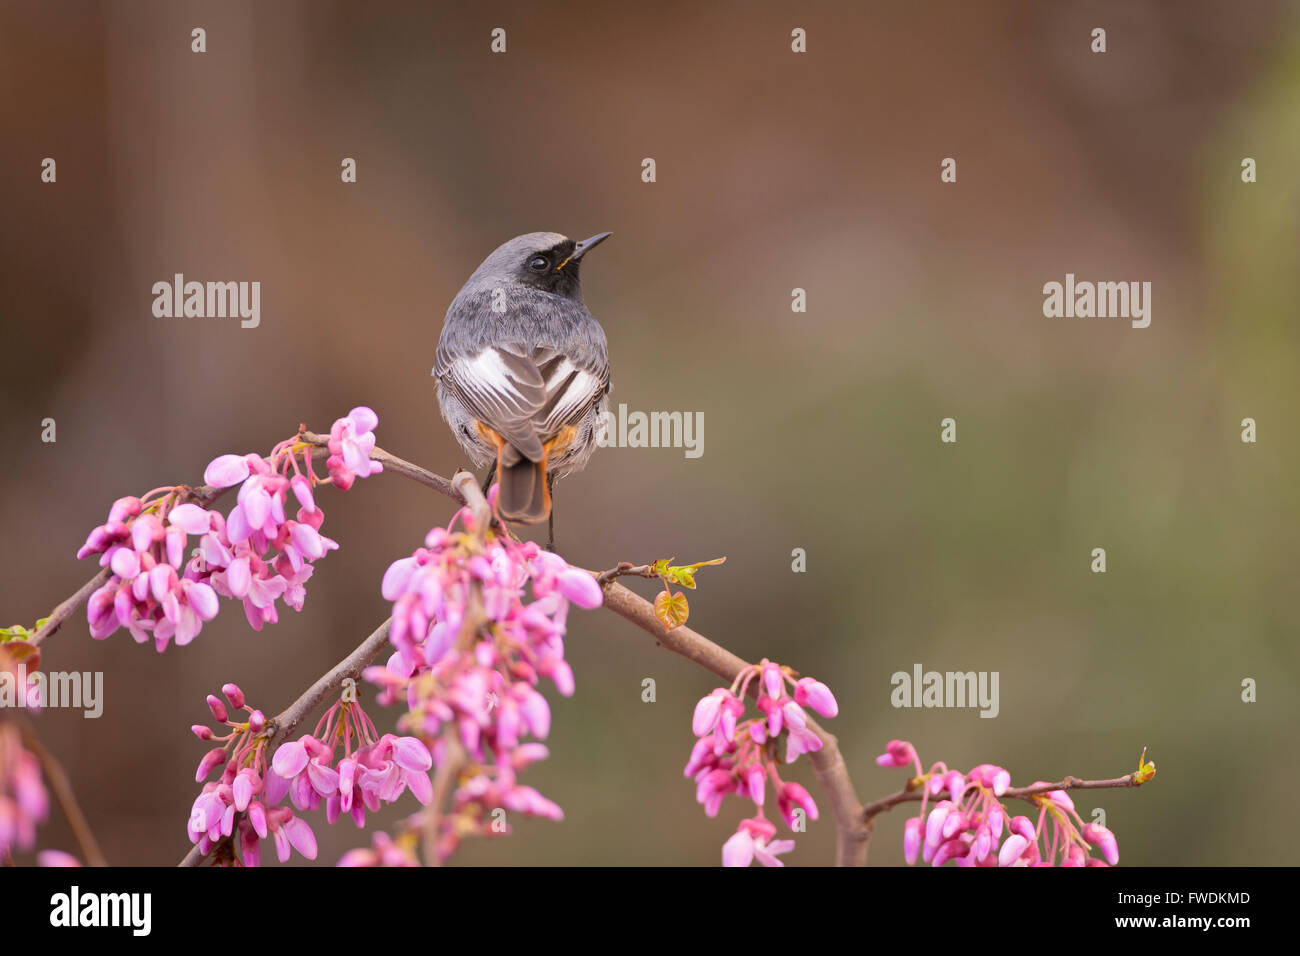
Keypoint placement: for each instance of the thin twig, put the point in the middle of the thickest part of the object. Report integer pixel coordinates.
(915, 791)
(58, 782)
(397, 465)
(454, 760)
(68, 607)
(464, 487)
(626, 569)
(454, 756)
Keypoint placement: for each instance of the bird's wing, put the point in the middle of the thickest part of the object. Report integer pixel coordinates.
(572, 387)
(525, 395)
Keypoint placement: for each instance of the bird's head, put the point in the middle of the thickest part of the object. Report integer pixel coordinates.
(541, 260)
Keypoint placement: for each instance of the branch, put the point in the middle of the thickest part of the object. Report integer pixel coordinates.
(454, 760)
(206, 495)
(828, 764)
(400, 466)
(66, 608)
(915, 791)
(287, 721)
(625, 569)
(462, 486)
(203, 495)
(58, 781)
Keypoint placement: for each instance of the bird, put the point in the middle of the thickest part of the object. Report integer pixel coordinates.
(522, 370)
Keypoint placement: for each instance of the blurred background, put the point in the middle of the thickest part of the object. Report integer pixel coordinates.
(774, 171)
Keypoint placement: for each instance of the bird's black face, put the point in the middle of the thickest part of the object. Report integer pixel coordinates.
(555, 268)
(541, 269)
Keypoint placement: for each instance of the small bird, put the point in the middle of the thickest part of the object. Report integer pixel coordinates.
(522, 371)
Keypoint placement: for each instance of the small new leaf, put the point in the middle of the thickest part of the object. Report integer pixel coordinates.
(1146, 769)
(20, 633)
(682, 574)
(672, 609)
(705, 564)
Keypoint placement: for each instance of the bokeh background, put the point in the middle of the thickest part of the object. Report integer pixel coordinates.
(775, 171)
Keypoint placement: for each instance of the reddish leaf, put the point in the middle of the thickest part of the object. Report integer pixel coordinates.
(671, 609)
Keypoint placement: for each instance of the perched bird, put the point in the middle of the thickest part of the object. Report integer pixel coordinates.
(523, 371)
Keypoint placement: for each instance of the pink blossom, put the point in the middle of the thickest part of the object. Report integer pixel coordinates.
(912, 838)
(23, 801)
(1099, 836)
(226, 471)
(382, 852)
(995, 778)
(580, 588)
(733, 756)
(899, 753)
(707, 712)
(815, 694)
(791, 797)
(968, 827)
(257, 554)
(772, 680)
(485, 692)
(1012, 850)
(753, 841)
(350, 444)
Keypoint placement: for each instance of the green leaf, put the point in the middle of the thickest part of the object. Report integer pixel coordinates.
(683, 574)
(672, 609)
(705, 564)
(1146, 769)
(20, 633)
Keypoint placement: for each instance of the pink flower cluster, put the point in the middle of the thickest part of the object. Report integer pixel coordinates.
(469, 655)
(23, 800)
(373, 769)
(237, 805)
(971, 826)
(256, 554)
(740, 757)
(352, 439)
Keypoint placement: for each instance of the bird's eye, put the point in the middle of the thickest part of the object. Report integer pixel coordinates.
(538, 263)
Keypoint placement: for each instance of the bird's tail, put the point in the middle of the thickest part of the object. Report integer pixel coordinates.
(522, 494)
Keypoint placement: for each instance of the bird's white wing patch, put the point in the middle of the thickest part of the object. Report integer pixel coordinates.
(569, 391)
(502, 388)
(526, 398)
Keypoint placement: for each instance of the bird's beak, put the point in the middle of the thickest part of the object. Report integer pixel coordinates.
(582, 248)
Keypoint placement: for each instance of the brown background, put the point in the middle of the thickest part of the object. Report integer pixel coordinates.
(821, 430)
